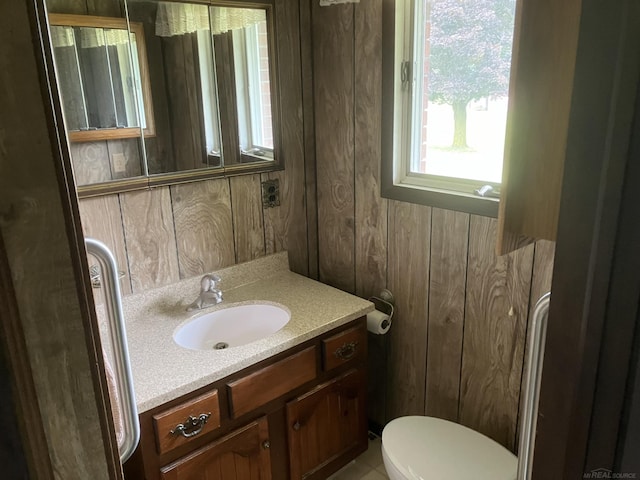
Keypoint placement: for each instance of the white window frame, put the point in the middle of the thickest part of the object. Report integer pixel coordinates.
(248, 93)
(408, 21)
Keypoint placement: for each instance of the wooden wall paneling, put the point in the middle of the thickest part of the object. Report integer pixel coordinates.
(12, 453)
(78, 7)
(229, 134)
(159, 149)
(150, 238)
(43, 261)
(542, 271)
(496, 311)
(90, 162)
(311, 187)
(543, 256)
(370, 208)
(105, 8)
(447, 289)
(130, 150)
(204, 228)
(183, 91)
(371, 211)
(286, 225)
(19, 409)
(333, 43)
(409, 245)
(248, 223)
(102, 220)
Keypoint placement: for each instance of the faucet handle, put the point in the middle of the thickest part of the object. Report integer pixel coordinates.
(209, 282)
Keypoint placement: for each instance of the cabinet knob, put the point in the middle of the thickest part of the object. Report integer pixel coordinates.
(266, 444)
(296, 426)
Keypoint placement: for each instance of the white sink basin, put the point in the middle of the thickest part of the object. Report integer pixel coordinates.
(232, 326)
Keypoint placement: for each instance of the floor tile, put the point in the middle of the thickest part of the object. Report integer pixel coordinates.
(373, 455)
(381, 469)
(374, 475)
(351, 471)
(367, 466)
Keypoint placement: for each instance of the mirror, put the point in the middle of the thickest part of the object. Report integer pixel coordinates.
(101, 84)
(189, 93)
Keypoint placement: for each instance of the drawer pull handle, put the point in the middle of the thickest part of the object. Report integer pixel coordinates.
(192, 427)
(296, 426)
(266, 444)
(346, 351)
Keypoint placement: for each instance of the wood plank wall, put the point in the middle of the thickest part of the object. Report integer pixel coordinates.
(43, 308)
(161, 235)
(456, 347)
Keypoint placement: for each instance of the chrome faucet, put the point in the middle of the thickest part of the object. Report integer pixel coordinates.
(210, 294)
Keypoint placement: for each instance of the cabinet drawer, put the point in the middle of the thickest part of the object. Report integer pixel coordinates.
(197, 416)
(343, 347)
(259, 388)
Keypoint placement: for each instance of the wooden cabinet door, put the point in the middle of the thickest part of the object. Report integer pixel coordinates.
(243, 455)
(542, 79)
(327, 423)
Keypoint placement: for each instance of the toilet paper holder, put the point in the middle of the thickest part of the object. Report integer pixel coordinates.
(384, 302)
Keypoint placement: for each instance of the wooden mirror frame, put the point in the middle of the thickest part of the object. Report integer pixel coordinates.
(68, 20)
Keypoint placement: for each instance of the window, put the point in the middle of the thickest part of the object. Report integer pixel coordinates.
(253, 89)
(448, 75)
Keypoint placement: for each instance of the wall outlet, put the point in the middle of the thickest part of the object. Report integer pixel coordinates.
(119, 163)
(271, 193)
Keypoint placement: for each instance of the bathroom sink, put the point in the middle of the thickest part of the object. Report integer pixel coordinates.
(232, 326)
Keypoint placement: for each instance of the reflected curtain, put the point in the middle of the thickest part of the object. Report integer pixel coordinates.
(177, 24)
(174, 19)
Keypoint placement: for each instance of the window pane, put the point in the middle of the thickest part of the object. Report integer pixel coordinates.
(253, 89)
(262, 109)
(463, 54)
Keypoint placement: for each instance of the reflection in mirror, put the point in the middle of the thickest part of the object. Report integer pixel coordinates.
(101, 84)
(203, 99)
(102, 87)
(182, 75)
(242, 43)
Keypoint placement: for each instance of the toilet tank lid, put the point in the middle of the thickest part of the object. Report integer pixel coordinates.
(427, 447)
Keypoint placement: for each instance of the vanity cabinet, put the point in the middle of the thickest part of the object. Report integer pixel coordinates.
(326, 423)
(242, 455)
(299, 414)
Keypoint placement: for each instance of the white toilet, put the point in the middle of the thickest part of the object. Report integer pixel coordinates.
(427, 448)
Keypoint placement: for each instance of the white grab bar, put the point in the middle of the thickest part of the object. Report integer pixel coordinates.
(529, 418)
(117, 332)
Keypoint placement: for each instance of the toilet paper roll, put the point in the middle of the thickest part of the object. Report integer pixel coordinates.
(378, 322)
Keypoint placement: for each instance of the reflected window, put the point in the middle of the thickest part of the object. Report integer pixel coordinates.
(251, 61)
(100, 81)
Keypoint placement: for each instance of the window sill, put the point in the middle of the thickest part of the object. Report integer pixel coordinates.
(460, 202)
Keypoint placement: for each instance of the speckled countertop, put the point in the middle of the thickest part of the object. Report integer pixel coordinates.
(163, 371)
